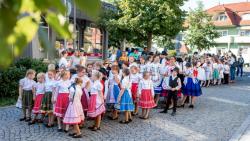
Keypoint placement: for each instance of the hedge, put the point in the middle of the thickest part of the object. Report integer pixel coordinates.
(9, 78)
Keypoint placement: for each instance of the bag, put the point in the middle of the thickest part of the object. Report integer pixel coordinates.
(235, 64)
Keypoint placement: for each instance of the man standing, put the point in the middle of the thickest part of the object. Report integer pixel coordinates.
(240, 66)
(118, 53)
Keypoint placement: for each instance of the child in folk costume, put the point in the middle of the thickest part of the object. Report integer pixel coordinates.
(208, 70)
(191, 86)
(125, 97)
(47, 106)
(62, 97)
(113, 90)
(25, 92)
(135, 78)
(146, 95)
(221, 71)
(38, 91)
(82, 74)
(215, 71)
(173, 86)
(74, 114)
(156, 77)
(149, 63)
(96, 103)
(226, 68)
(142, 66)
(201, 73)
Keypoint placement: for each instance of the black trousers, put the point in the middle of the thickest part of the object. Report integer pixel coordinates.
(172, 95)
(226, 78)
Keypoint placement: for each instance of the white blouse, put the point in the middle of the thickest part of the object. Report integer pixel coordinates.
(63, 62)
(135, 78)
(50, 85)
(85, 79)
(146, 85)
(96, 87)
(63, 86)
(40, 88)
(27, 84)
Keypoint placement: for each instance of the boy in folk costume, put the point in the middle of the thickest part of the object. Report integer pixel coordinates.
(173, 86)
(25, 92)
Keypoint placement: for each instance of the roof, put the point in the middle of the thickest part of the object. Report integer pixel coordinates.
(233, 11)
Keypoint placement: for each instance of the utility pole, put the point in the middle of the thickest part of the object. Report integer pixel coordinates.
(75, 33)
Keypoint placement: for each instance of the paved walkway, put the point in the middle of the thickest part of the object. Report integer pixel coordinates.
(217, 116)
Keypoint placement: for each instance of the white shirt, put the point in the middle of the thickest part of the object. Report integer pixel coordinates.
(63, 86)
(96, 88)
(40, 88)
(146, 85)
(113, 57)
(135, 78)
(63, 62)
(49, 85)
(75, 61)
(165, 83)
(85, 79)
(27, 84)
(226, 69)
(126, 84)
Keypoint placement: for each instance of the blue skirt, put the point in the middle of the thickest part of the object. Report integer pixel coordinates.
(158, 89)
(116, 92)
(191, 88)
(126, 103)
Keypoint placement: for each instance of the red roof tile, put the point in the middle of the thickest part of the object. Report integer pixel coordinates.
(234, 11)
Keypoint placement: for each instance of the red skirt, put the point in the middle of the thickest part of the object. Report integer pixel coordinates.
(84, 100)
(62, 103)
(146, 100)
(179, 93)
(95, 110)
(37, 106)
(134, 90)
(164, 93)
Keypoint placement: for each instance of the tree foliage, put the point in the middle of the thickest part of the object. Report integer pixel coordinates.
(150, 18)
(201, 31)
(20, 19)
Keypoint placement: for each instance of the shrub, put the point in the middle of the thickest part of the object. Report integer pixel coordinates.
(9, 78)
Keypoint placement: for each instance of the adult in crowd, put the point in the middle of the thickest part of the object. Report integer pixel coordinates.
(118, 53)
(240, 66)
(63, 61)
(113, 56)
(145, 52)
(233, 65)
(76, 59)
(123, 58)
(134, 54)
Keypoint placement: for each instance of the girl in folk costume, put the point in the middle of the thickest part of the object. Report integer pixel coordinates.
(47, 106)
(74, 114)
(62, 97)
(113, 90)
(125, 97)
(208, 69)
(191, 86)
(149, 63)
(135, 78)
(173, 86)
(146, 95)
(38, 91)
(82, 74)
(142, 66)
(25, 92)
(215, 71)
(156, 77)
(201, 73)
(221, 71)
(96, 104)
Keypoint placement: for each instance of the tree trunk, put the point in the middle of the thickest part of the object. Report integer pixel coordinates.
(149, 40)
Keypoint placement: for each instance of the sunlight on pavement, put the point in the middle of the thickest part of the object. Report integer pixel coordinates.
(180, 131)
(227, 101)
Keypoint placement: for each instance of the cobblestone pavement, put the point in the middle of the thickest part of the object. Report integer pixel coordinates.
(216, 116)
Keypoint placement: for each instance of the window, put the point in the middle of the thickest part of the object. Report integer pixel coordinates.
(223, 33)
(246, 16)
(222, 17)
(244, 32)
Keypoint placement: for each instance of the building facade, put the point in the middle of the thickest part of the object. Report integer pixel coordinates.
(89, 38)
(232, 21)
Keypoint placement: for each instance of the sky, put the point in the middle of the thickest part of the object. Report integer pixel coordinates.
(208, 3)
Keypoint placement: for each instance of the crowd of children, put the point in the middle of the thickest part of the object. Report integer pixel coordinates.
(71, 97)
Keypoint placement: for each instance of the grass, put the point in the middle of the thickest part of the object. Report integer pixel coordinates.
(7, 101)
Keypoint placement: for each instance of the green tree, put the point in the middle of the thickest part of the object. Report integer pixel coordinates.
(165, 42)
(201, 31)
(149, 18)
(20, 19)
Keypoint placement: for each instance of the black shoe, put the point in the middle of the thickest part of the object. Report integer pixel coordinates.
(181, 106)
(72, 134)
(173, 114)
(130, 120)
(77, 136)
(66, 131)
(191, 106)
(164, 111)
(91, 127)
(49, 125)
(22, 119)
(96, 128)
(60, 130)
(124, 122)
(32, 122)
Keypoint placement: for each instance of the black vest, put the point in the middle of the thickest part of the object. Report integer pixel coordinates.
(173, 83)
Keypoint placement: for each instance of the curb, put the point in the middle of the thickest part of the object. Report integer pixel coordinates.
(7, 106)
(242, 129)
